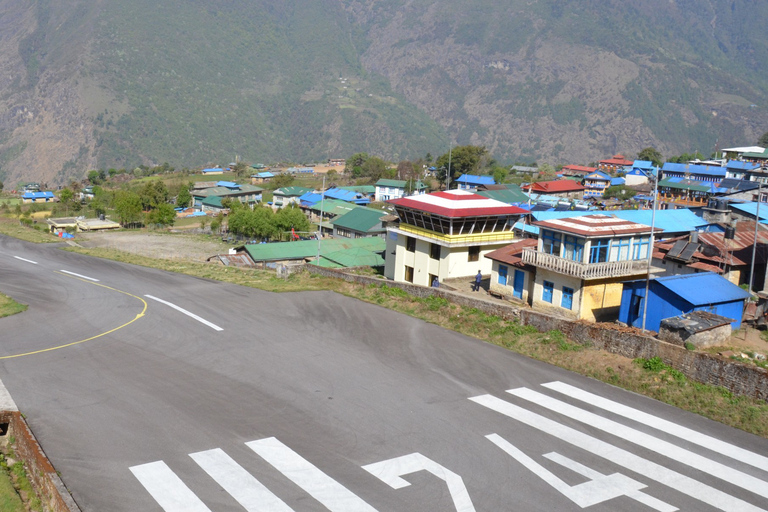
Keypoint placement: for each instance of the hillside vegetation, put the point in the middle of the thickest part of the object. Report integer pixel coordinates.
(116, 84)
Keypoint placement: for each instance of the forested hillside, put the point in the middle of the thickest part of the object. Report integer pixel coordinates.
(110, 83)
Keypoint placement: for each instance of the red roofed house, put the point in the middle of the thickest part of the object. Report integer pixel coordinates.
(581, 263)
(577, 170)
(445, 235)
(561, 188)
(510, 276)
(614, 164)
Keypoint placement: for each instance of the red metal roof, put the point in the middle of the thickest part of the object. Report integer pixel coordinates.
(457, 203)
(511, 253)
(616, 160)
(595, 225)
(706, 266)
(550, 187)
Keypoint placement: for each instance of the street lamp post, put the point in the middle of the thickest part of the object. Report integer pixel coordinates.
(650, 244)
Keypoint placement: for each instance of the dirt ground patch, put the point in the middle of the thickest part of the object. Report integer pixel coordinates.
(155, 245)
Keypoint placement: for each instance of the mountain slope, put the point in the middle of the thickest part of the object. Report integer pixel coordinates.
(109, 83)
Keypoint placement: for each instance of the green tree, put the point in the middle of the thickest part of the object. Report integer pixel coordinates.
(163, 215)
(240, 169)
(618, 192)
(650, 154)
(464, 160)
(354, 164)
(127, 207)
(547, 172)
(98, 207)
(291, 217)
(500, 174)
(686, 157)
(1, 186)
(281, 180)
(763, 140)
(184, 198)
(375, 168)
(216, 223)
(66, 196)
(153, 194)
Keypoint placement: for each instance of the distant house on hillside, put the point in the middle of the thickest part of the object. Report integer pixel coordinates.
(246, 194)
(470, 182)
(577, 171)
(614, 164)
(394, 189)
(38, 197)
(212, 171)
(561, 188)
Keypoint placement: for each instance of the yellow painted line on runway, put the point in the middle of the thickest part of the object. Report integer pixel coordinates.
(92, 337)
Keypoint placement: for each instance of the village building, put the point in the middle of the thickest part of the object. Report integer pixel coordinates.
(394, 189)
(246, 194)
(614, 164)
(38, 197)
(564, 189)
(360, 222)
(511, 278)
(577, 171)
(596, 184)
(288, 195)
(445, 235)
(471, 182)
(581, 263)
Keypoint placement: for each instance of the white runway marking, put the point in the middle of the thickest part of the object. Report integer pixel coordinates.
(648, 469)
(25, 259)
(667, 449)
(249, 492)
(306, 475)
(188, 313)
(167, 488)
(80, 275)
(690, 435)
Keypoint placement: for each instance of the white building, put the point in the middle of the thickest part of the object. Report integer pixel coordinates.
(394, 189)
(445, 235)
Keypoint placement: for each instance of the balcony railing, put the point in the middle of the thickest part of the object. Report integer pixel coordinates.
(584, 270)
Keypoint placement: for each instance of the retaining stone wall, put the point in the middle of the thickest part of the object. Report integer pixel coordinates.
(42, 476)
(737, 377)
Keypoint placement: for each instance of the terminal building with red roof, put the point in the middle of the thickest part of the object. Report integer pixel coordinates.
(445, 235)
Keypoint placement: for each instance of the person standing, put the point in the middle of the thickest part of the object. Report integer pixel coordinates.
(478, 278)
(435, 283)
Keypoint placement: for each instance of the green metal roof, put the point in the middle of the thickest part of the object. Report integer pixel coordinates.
(357, 257)
(418, 185)
(291, 191)
(509, 195)
(333, 206)
(684, 186)
(214, 201)
(279, 251)
(224, 191)
(361, 220)
(764, 154)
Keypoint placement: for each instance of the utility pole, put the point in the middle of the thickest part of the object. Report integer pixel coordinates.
(448, 178)
(650, 245)
(320, 223)
(754, 245)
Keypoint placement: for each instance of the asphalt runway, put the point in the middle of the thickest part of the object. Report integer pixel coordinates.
(154, 391)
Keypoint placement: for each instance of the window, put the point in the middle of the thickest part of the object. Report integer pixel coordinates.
(546, 293)
(567, 300)
(410, 244)
(574, 248)
(503, 275)
(640, 248)
(620, 249)
(551, 243)
(474, 253)
(434, 251)
(599, 251)
(409, 274)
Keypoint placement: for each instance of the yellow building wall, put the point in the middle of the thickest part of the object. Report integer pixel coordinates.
(600, 300)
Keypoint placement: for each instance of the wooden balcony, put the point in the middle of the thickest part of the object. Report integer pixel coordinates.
(584, 270)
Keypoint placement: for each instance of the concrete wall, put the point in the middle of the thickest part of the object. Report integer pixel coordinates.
(559, 280)
(600, 300)
(739, 378)
(42, 476)
(507, 290)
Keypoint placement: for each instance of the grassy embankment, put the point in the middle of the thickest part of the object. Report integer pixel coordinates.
(648, 377)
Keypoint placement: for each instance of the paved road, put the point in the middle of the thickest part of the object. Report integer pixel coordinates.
(205, 396)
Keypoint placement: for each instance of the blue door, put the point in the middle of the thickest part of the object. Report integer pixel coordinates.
(567, 301)
(503, 275)
(518, 284)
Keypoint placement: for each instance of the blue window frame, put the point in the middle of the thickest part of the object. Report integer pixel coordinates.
(503, 275)
(574, 248)
(551, 242)
(546, 293)
(640, 248)
(599, 250)
(622, 248)
(567, 301)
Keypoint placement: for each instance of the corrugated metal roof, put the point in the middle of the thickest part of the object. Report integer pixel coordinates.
(702, 170)
(360, 219)
(506, 195)
(548, 187)
(595, 225)
(511, 253)
(292, 191)
(456, 204)
(400, 184)
(355, 258)
(751, 208)
(669, 221)
(702, 289)
(476, 180)
(308, 248)
(741, 166)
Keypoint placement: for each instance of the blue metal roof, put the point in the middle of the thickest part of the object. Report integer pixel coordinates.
(341, 194)
(597, 175)
(476, 180)
(642, 164)
(751, 208)
(37, 195)
(702, 170)
(310, 198)
(703, 288)
(228, 184)
(741, 166)
(214, 169)
(670, 221)
(265, 174)
(617, 181)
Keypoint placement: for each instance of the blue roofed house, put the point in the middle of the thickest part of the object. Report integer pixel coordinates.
(38, 197)
(288, 195)
(743, 170)
(697, 172)
(395, 189)
(471, 182)
(350, 196)
(640, 173)
(672, 296)
(617, 182)
(595, 184)
(668, 223)
(261, 177)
